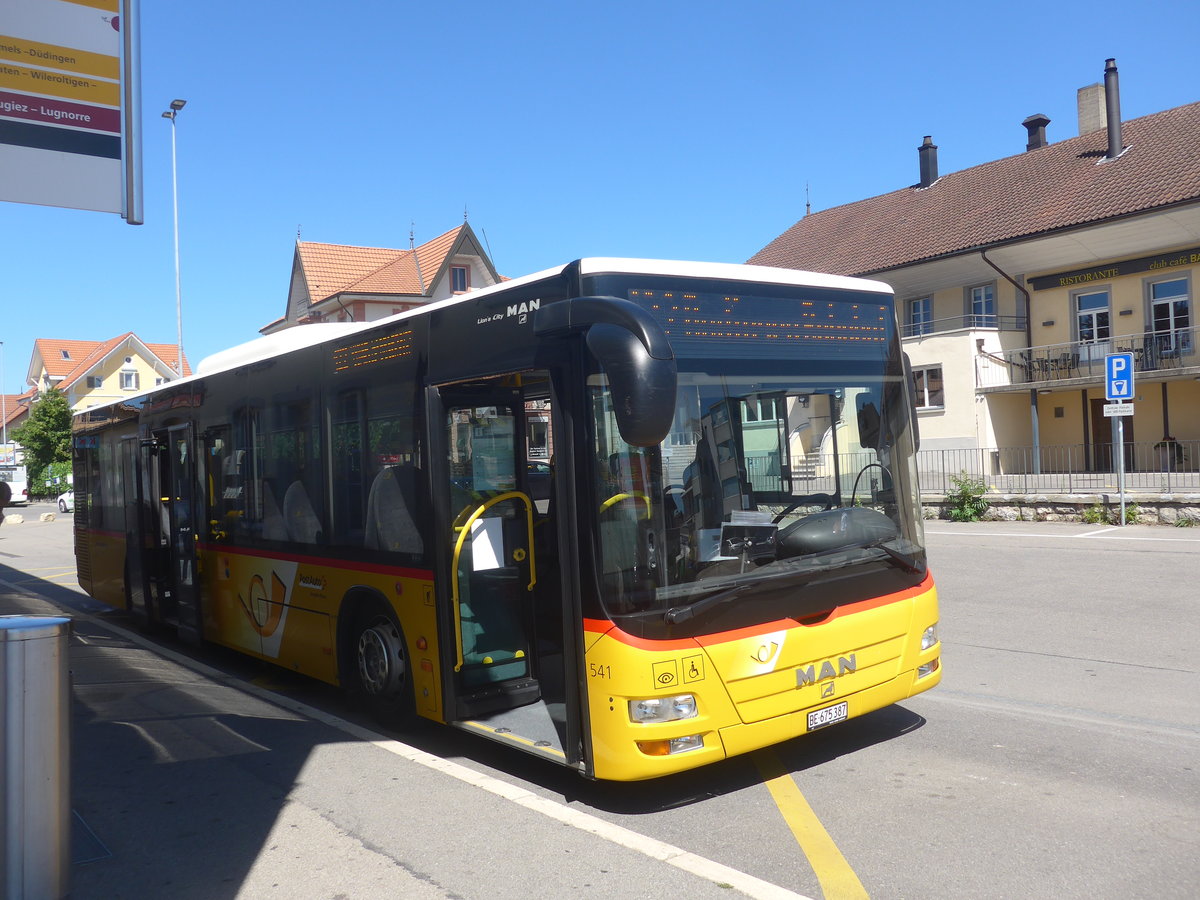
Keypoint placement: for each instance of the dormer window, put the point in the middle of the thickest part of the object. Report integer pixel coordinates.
(460, 279)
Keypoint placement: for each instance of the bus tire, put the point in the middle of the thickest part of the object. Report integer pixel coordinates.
(379, 665)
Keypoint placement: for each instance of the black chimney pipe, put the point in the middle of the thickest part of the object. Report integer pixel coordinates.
(928, 156)
(1036, 126)
(1112, 108)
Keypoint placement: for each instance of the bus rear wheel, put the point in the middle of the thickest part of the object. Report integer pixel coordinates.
(382, 667)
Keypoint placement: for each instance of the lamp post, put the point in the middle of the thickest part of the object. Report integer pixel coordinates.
(3, 400)
(176, 106)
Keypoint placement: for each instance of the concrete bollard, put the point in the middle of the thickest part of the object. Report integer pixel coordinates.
(35, 757)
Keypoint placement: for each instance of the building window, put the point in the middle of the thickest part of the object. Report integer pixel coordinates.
(66, 354)
(129, 381)
(920, 316)
(927, 383)
(1171, 315)
(1091, 317)
(460, 279)
(94, 381)
(981, 306)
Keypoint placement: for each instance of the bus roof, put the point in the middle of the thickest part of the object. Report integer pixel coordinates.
(727, 272)
(317, 333)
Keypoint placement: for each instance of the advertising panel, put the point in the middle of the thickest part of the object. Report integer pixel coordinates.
(63, 105)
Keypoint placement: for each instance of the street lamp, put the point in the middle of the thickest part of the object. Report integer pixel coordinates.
(176, 106)
(3, 400)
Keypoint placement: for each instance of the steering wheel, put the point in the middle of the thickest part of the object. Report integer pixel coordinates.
(874, 465)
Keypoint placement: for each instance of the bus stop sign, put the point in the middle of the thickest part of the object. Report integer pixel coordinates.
(1118, 376)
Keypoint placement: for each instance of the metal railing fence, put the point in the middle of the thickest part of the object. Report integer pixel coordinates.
(1162, 467)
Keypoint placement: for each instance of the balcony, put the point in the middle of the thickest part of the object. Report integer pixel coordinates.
(1082, 362)
(959, 323)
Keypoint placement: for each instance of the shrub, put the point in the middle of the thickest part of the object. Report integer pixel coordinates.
(966, 500)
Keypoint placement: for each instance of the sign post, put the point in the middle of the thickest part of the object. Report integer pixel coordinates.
(1118, 387)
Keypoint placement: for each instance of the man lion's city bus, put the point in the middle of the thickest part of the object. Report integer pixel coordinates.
(630, 516)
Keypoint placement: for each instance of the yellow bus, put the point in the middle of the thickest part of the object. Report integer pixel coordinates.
(630, 516)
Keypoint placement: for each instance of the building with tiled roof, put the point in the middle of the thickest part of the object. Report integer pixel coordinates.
(92, 372)
(1015, 280)
(340, 283)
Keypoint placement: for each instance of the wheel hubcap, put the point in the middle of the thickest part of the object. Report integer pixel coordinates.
(380, 659)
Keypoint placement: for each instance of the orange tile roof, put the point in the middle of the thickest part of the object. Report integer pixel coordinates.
(14, 406)
(82, 356)
(1036, 192)
(336, 268)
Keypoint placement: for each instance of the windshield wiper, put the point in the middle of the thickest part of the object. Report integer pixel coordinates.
(907, 563)
(677, 614)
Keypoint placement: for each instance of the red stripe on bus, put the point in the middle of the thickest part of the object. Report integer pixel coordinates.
(349, 565)
(600, 627)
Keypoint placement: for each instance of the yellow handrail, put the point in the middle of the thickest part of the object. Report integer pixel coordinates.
(617, 498)
(463, 531)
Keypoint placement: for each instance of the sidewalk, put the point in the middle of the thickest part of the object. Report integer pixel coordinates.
(189, 784)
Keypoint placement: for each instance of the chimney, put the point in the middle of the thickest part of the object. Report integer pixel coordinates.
(928, 155)
(1090, 103)
(1112, 109)
(1036, 126)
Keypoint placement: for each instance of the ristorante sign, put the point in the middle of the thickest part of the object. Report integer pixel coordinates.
(1115, 270)
(66, 86)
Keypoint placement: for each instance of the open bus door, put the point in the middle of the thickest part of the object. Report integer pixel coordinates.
(171, 563)
(140, 546)
(508, 653)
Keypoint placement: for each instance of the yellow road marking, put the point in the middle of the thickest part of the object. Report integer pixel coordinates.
(838, 881)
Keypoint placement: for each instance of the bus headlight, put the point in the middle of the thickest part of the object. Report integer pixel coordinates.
(930, 637)
(663, 709)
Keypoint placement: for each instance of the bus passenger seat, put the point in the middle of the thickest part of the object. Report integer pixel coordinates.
(302, 522)
(273, 526)
(390, 524)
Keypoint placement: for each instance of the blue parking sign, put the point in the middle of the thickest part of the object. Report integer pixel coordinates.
(1118, 376)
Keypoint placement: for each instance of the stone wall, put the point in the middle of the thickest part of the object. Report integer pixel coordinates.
(1153, 509)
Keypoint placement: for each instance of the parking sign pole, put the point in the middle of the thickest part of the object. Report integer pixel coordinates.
(1121, 465)
(1118, 387)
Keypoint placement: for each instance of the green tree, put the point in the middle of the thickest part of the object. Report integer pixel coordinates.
(46, 436)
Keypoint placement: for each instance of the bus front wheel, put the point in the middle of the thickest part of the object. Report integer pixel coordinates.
(382, 666)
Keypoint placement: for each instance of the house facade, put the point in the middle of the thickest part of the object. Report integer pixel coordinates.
(340, 283)
(1015, 280)
(89, 373)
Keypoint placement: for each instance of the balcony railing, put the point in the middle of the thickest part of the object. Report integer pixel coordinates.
(956, 323)
(1153, 351)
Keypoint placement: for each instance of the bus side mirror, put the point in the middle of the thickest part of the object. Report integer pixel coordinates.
(635, 354)
(911, 390)
(868, 421)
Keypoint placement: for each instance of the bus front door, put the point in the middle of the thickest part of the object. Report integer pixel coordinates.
(511, 659)
(492, 560)
(173, 501)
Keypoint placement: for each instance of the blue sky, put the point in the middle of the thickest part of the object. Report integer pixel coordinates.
(658, 128)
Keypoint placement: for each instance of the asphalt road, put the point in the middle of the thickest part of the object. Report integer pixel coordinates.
(1058, 758)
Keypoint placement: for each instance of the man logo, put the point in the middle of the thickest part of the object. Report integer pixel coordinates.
(827, 690)
(811, 674)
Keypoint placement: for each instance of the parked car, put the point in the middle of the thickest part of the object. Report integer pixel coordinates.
(66, 501)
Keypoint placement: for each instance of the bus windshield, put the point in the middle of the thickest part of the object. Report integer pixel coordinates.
(785, 489)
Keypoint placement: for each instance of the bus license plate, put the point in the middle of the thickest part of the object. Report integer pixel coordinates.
(819, 718)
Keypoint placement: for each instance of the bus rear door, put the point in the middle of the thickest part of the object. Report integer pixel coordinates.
(169, 461)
